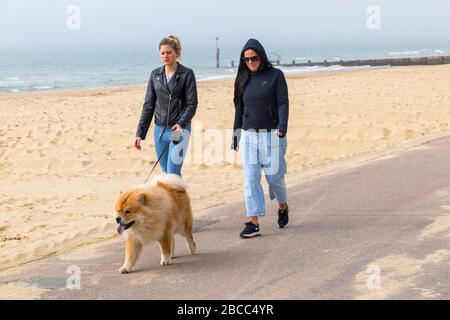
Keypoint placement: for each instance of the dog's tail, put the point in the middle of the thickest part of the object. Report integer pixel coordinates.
(172, 180)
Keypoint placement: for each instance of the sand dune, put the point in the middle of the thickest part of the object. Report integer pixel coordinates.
(64, 156)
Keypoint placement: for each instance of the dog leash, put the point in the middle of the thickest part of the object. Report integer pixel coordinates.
(157, 161)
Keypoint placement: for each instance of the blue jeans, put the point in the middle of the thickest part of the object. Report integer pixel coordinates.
(173, 157)
(263, 151)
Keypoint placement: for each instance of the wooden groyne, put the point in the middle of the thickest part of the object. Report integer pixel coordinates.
(416, 61)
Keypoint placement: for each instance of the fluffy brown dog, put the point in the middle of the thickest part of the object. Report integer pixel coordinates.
(154, 212)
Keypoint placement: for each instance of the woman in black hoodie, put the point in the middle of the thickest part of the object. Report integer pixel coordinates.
(260, 127)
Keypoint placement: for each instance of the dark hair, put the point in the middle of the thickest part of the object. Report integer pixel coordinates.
(243, 74)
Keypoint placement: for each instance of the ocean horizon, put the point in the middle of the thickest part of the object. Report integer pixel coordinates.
(49, 69)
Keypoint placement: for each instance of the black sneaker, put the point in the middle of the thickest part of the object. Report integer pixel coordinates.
(283, 217)
(250, 230)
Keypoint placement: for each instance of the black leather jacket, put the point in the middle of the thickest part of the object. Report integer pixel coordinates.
(168, 108)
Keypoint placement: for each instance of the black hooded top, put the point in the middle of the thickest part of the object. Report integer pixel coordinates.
(265, 102)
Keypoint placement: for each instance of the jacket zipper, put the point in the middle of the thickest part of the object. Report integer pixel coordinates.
(168, 111)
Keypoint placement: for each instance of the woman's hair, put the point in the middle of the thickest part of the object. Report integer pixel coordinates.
(174, 42)
(243, 75)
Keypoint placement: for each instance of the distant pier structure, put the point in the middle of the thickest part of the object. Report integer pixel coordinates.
(217, 53)
(414, 61)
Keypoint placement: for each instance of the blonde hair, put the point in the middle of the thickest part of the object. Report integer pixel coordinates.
(174, 42)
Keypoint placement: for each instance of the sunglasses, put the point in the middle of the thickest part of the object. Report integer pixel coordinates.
(252, 59)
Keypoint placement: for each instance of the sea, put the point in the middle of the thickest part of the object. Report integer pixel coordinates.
(62, 68)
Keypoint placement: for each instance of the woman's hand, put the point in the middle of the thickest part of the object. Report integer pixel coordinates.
(137, 143)
(178, 128)
(281, 134)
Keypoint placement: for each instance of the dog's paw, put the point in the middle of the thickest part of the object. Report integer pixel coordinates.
(124, 270)
(193, 249)
(165, 262)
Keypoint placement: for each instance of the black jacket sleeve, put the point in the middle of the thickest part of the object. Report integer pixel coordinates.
(237, 127)
(283, 103)
(148, 110)
(238, 115)
(190, 98)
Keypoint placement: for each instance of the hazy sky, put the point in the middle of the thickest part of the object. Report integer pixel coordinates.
(37, 23)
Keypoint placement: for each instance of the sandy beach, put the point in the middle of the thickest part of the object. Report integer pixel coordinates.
(65, 155)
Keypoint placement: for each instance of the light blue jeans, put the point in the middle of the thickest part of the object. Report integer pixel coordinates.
(266, 151)
(173, 157)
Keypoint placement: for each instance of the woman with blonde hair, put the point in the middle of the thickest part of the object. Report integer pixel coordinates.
(171, 99)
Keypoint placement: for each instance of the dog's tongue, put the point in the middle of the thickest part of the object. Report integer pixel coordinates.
(121, 228)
